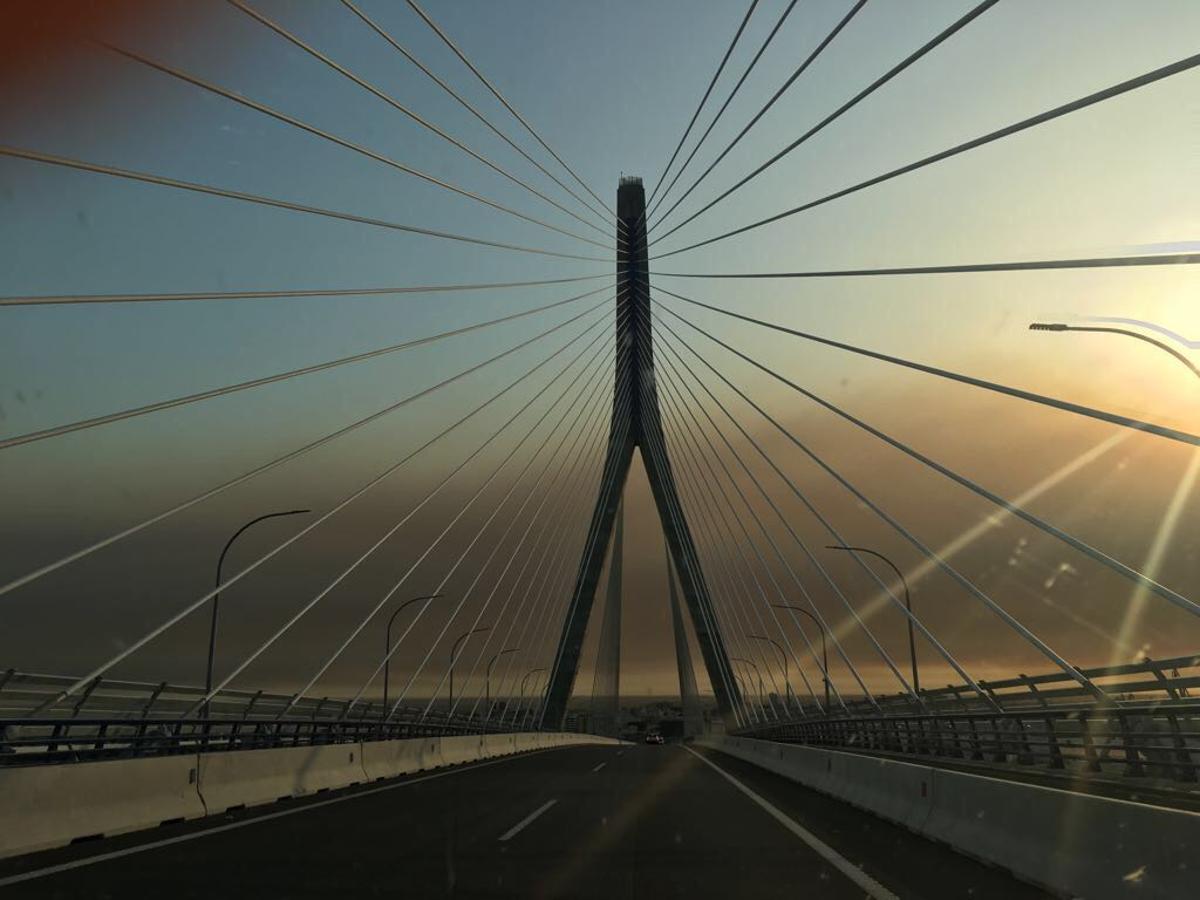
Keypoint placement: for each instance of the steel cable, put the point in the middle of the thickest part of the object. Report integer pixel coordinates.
(122, 415)
(379, 30)
(704, 99)
(808, 61)
(1108, 93)
(930, 554)
(1064, 405)
(495, 93)
(196, 187)
(946, 33)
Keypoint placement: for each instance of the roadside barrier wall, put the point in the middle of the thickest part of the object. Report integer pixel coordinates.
(53, 805)
(389, 759)
(252, 777)
(1074, 844)
(465, 748)
(49, 806)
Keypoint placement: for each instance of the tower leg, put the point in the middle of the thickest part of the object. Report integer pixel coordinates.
(689, 692)
(606, 682)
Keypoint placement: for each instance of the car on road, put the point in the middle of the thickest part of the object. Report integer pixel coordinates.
(654, 738)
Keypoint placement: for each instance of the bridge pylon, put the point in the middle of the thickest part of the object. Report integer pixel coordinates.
(636, 424)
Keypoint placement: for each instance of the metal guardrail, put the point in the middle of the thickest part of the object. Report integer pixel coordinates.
(1147, 725)
(38, 741)
(27, 695)
(1160, 740)
(1148, 681)
(115, 719)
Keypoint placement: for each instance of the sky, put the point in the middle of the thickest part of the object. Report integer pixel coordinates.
(611, 87)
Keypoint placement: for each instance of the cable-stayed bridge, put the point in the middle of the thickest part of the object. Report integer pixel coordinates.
(899, 671)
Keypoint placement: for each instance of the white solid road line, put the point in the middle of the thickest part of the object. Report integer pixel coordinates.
(191, 836)
(516, 829)
(599, 767)
(873, 888)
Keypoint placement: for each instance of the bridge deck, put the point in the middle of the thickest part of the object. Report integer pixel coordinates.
(632, 822)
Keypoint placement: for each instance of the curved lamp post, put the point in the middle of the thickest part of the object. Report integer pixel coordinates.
(912, 644)
(824, 649)
(454, 655)
(1060, 326)
(786, 678)
(757, 673)
(216, 603)
(387, 647)
(488, 679)
(525, 679)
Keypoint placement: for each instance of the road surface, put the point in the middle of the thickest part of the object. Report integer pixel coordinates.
(584, 822)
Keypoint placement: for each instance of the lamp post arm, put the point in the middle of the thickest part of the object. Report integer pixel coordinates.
(912, 641)
(1058, 326)
(216, 600)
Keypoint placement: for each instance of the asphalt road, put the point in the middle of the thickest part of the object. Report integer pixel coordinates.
(603, 822)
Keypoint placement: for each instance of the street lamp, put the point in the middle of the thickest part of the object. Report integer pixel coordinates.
(525, 679)
(454, 655)
(824, 649)
(533, 707)
(387, 647)
(1060, 326)
(786, 678)
(912, 643)
(212, 632)
(488, 680)
(758, 674)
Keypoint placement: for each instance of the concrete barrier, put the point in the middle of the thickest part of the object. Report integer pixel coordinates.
(892, 789)
(463, 749)
(389, 759)
(526, 741)
(1080, 845)
(431, 755)
(499, 745)
(251, 777)
(1089, 845)
(49, 806)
